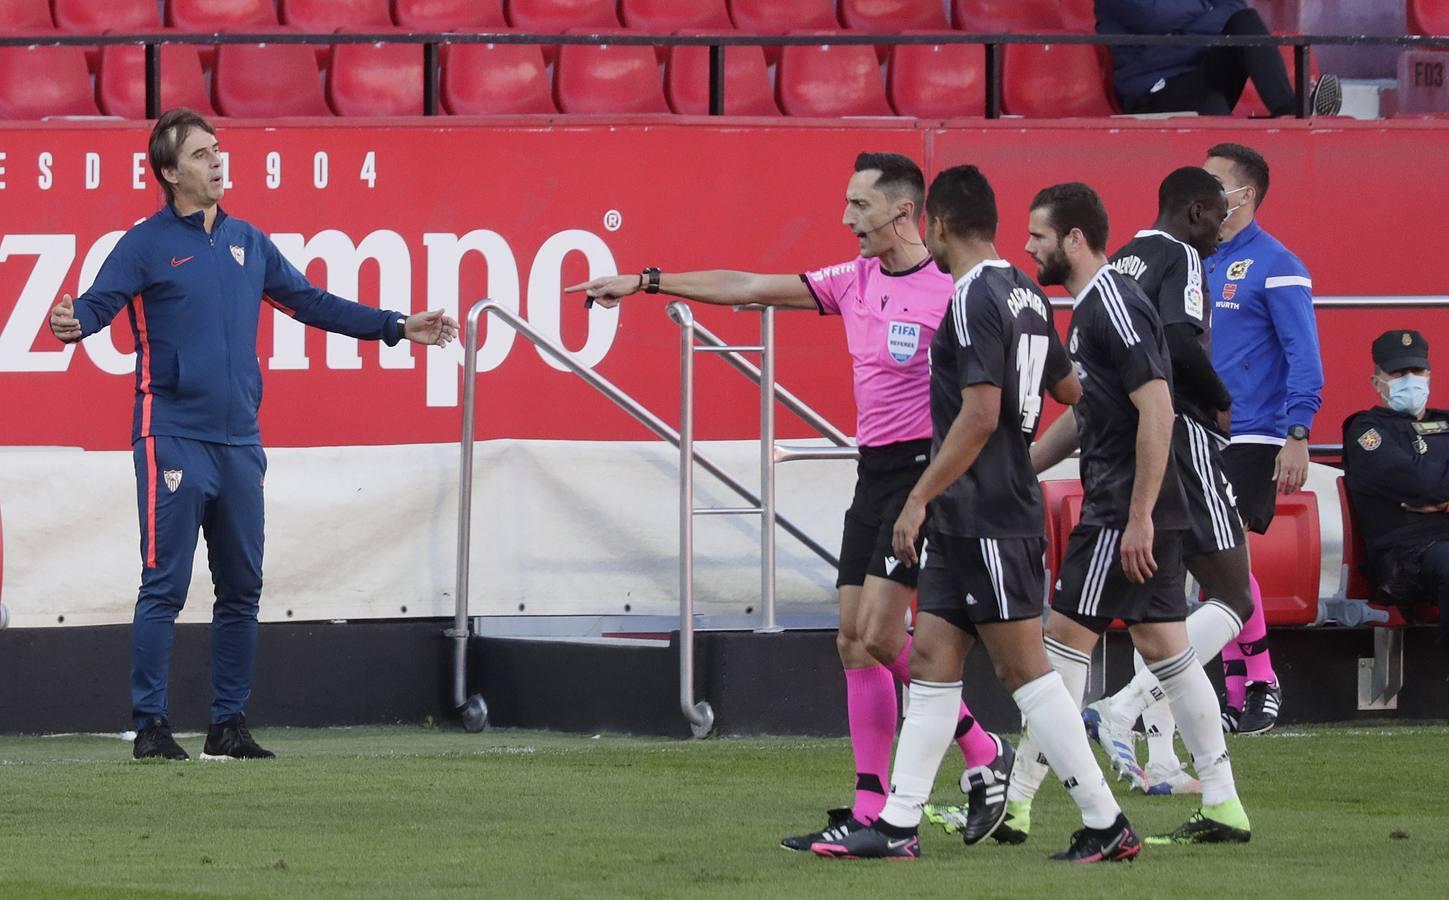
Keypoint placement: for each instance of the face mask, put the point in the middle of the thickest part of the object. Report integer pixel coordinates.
(1233, 209)
(1409, 393)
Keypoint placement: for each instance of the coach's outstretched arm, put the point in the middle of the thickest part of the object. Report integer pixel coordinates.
(722, 287)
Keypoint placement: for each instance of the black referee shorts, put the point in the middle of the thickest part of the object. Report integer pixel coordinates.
(977, 581)
(1250, 469)
(1213, 523)
(1093, 589)
(884, 478)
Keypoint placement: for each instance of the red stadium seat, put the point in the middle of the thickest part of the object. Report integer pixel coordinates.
(559, 16)
(781, 16)
(121, 80)
(893, 16)
(495, 80)
(25, 17)
(89, 17)
(1429, 16)
(267, 80)
(449, 15)
(215, 15)
(669, 16)
(830, 80)
(1055, 81)
(1079, 16)
(322, 16)
(36, 82)
(376, 80)
(1422, 85)
(1286, 561)
(1060, 517)
(1008, 16)
(747, 82)
(1251, 104)
(608, 78)
(937, 81)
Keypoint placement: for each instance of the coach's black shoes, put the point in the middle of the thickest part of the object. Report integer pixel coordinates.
(880, 841)
(1114, 843)
(1327, 99)
(155, 742)
(839, 823)
(231, 740)
(985, 788)
(1260, 708)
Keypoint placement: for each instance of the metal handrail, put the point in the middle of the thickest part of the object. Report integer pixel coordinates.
(459, 632)
(993, 44)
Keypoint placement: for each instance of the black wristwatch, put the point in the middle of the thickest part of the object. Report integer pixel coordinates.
(649, 280)
(1298, 432)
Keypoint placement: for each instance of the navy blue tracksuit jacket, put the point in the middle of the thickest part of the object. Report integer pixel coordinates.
(1136, 69)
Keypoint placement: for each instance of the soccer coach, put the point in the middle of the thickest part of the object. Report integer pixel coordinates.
(192, 280)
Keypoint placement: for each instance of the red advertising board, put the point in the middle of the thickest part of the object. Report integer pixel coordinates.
(412, 215)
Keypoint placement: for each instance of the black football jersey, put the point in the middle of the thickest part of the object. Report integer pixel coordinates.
(1170, 273)
(1116, 342)
(998, 330)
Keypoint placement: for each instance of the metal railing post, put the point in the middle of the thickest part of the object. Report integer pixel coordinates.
(153, 81)
(1302, 93)
(993, 80)
(716, 79)
(767, 472)
(475, 710)
(700, 715)
(430, 79)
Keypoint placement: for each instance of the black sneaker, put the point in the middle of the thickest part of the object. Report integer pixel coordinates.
(1114, 843)
(155, 742)
(232, 740)
(1260, 708)
(1327, 99)
(839, 822)
(868, 843)
(985, 788)
(1231, 715)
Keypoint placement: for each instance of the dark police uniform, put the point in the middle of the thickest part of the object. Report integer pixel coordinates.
(1392, 460)
(1117, 344)
(1170, 274)
(983, 551)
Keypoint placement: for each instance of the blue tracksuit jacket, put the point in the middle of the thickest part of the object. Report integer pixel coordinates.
(1265, 337)
(194, 301)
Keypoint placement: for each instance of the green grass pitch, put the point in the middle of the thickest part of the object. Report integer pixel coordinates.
(1359, 811)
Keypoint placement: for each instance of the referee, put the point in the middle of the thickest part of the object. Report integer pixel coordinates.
(1265, 348)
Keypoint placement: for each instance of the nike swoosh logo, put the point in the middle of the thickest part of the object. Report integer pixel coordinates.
(176, 262)
(896, 845)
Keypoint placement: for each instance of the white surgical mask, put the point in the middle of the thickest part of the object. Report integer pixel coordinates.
(1409, 393)
(1233, 209)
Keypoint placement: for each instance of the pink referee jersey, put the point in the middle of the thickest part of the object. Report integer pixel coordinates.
(890, 318)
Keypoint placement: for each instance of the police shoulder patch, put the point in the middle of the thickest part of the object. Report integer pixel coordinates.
(1370, 440)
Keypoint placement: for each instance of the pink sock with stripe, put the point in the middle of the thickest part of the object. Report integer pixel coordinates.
(870, 697)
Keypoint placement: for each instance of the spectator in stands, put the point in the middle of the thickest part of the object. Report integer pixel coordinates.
(192, 279)
(1205, 80)
(1265, 349)
(1396, 467)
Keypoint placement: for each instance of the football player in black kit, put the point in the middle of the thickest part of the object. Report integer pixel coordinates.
(1166, 262)
(1124, 559)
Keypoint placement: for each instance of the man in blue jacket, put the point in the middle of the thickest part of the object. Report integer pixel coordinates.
(192, 280)
(1205, 80)
(1265, 348)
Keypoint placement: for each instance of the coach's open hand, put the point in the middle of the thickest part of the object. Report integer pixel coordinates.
(63, 323)
(608, 290)
(431, 327)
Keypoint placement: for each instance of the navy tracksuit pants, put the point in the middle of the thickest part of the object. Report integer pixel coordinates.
(184, 487)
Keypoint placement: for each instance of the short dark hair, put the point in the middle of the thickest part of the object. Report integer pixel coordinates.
(899, 175)
(1250, 165)
(1075, 205)
(1185, 186)
(962, 198)
(171, 131)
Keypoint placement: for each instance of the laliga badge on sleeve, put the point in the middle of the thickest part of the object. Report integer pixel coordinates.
(1370, 439)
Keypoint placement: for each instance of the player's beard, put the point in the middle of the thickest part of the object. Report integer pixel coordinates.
(1054, 269)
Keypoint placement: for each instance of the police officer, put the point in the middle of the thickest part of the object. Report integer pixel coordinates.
(1396, 465)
